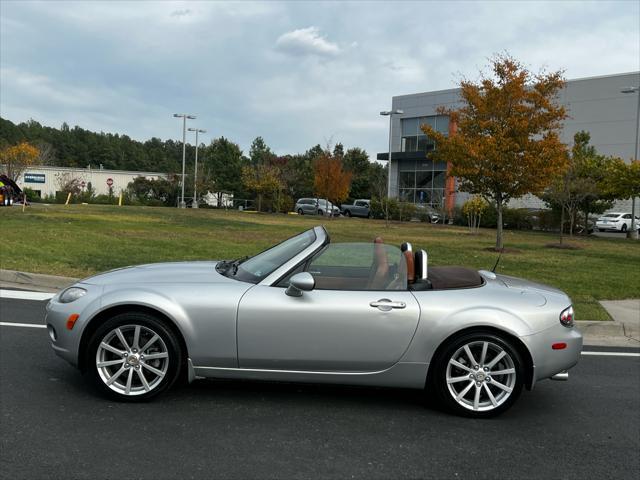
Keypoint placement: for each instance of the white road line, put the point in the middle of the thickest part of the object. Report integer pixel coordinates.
(613, 354)
(27, 325)
(22, 295)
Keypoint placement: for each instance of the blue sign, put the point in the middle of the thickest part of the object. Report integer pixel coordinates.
(34, 178)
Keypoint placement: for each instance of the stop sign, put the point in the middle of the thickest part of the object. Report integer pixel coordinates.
(109, 182)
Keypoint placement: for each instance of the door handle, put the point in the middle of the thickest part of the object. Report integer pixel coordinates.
(385, 304)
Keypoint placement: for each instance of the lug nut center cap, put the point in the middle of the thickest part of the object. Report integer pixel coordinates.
(133, 359)
(480, 376)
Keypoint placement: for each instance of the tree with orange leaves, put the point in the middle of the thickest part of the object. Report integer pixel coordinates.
(331, 180)
(17, 158)
(507, 142)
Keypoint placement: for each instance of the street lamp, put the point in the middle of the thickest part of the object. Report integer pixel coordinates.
(390, 114)
(195, 171)
(184, 117)
(632, 232)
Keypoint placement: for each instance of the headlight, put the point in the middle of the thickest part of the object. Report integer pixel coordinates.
(567, 316)
(72, 294)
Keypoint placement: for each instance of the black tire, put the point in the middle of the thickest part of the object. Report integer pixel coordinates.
(624, 228)
(300, 212)
(347, 213)
(320, 212)
(444, 392)
(149, 325)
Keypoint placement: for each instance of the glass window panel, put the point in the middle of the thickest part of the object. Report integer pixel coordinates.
(409, 144)
(407, 195)
(423, 142)
(437, 199)
(407, 180)
(423, 179)
(407, 165)
(440, 166)
(438, 179)
(442, 124)
(431, 121)
(424, 164)
(409, 126)
(423, 196)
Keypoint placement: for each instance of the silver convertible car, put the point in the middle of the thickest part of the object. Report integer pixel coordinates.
(307, 310)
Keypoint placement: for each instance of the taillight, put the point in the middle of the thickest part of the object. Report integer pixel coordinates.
(567, 316)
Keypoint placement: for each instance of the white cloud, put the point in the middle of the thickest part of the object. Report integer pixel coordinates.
(306, 41)
(181, 13)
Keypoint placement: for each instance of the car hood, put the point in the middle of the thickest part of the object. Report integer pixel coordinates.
(155, 273)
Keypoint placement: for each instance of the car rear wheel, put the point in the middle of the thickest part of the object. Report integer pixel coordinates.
(347, 213)
(134, 357)
(320, 212)
(478, 375)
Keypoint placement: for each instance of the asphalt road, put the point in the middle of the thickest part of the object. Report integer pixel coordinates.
(53, 425)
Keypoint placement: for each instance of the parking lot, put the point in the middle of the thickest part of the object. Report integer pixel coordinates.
(54, 426)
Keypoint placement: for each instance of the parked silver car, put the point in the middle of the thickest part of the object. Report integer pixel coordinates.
(313, 311)
(315, 206)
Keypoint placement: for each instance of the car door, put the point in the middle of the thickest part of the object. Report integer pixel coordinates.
(326, 330)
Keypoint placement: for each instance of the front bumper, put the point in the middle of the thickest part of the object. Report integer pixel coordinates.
(548, 362)
(65, 342)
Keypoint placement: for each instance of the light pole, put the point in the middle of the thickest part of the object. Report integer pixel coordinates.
(632, 232)
(390, 114)
(184, 117)
(195, 171)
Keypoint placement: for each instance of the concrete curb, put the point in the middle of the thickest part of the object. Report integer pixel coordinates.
(37, 280)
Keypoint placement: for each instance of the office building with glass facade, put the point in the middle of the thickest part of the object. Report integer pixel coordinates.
(596, 104)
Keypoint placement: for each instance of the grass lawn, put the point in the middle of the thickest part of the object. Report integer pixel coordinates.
(79, 240)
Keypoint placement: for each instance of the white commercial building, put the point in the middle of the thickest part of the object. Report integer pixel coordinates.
(47, 180)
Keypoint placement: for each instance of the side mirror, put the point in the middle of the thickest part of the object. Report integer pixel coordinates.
(300, 282)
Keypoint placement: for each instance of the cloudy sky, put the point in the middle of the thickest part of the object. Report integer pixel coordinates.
(296, 73)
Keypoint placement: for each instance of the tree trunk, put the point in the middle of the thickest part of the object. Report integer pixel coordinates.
(499, 243)
(561, 223)
(572, 217)
(259, 202)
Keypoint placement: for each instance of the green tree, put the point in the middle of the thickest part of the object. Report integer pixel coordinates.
(260, 153)
(223, 162)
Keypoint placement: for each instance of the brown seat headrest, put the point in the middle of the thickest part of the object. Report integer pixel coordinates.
(411, 269)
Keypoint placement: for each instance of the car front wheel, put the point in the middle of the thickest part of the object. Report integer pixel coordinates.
(478, 375)
(300, 212)
(623, 228)
(134, 357)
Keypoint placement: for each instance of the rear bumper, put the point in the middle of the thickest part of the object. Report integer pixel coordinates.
(548, 362)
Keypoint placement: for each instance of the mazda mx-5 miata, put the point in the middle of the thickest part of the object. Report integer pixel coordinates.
(309, 310)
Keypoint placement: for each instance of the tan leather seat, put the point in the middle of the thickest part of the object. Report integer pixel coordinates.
(411, 267)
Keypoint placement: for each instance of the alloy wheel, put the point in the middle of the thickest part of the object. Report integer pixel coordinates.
(481, 376)
(132, 359)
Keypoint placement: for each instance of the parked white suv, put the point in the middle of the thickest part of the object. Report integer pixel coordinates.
(620, 222)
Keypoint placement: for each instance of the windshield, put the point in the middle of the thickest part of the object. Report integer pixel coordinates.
(612, 215)
(257, 268)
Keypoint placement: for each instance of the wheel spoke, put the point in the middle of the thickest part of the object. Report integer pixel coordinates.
(466, 389)
(470, 355)
(106, 346)
(506, 371)
(150, 342)
(115, 376)
(122, 339)
(143, 380)
(108, 363)
(501, 386)
(483, 356)
(491, 397)
(457, 379)
(159, 373)
(497, 358)
(460, 366)
(127, 389)
(476, 398)
(136, 337)
(153, 356)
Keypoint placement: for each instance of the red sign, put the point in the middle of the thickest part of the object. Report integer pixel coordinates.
(109, 182)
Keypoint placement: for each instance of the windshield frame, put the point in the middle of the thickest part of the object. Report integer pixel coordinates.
(244, 275)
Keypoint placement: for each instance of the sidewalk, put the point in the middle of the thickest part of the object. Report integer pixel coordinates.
(623, 331)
